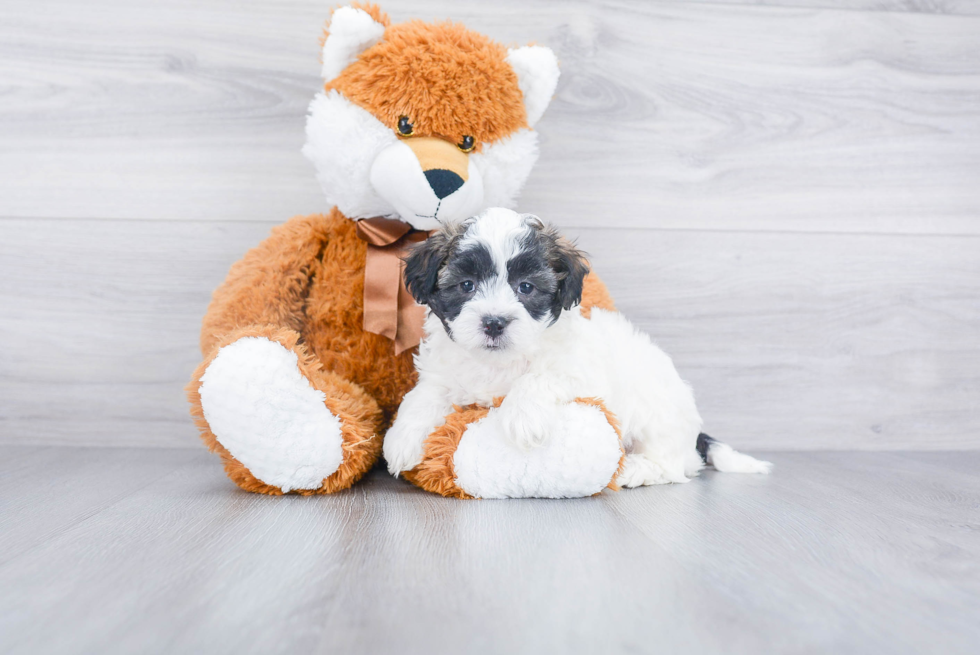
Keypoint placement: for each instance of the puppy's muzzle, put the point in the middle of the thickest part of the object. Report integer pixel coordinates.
(493, 326)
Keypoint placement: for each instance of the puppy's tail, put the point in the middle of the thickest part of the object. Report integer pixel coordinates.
(725, 458)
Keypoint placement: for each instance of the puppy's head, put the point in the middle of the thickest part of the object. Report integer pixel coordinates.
(498, 280)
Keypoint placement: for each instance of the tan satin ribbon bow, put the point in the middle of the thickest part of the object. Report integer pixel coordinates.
(389, 309)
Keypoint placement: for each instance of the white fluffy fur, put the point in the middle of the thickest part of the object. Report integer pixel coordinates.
(725, 458)
(537, 75)
(505, 166)
(579, 463)
(262, 409)
(543, 368)
(352, 31)
(342, 141)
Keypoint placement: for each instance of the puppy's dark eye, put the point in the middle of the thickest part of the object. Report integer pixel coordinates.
(467, 286)
(525, 288)
(405, 127)
(467, 144)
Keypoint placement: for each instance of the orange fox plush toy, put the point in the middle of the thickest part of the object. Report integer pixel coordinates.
(308, 343)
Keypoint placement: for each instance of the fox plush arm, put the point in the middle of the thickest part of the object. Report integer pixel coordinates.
(286, 423)
(269, 286)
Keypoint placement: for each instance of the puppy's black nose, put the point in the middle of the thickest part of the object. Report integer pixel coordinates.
(443, 182)
(494, 326)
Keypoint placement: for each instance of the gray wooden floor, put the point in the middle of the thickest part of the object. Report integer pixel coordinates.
(106, 550)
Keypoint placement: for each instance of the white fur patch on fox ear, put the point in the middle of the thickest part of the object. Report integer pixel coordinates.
(537, 75)
(505, 165)
(351, 32)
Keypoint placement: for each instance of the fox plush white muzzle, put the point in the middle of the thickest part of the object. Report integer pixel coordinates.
(428, 180)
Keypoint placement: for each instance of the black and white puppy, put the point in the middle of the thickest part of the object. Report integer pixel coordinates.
(503, 292)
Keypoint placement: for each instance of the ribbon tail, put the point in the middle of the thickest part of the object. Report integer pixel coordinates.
(389, 309)
(382, 282)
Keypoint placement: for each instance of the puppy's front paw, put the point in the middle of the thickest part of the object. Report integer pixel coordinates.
(638, 470)
(529, 423)
(403, 446)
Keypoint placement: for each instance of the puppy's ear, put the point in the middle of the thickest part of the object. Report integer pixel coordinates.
(571, 266)
(533, 221)
(576, 267)
(423, 263)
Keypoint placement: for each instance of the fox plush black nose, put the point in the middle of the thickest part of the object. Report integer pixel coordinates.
(443, 182)
(494, 326)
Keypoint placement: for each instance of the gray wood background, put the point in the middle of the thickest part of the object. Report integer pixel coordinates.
(786, 194)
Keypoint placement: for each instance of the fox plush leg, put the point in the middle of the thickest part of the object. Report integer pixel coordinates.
(471, 456)
(279, 421)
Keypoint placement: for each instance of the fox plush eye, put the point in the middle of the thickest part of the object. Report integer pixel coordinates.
(405, 127)
(467, 286)
(525, 288)
(466, 144)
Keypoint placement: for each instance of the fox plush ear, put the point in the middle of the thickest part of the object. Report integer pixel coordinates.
(352, 30)
(537, 75)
